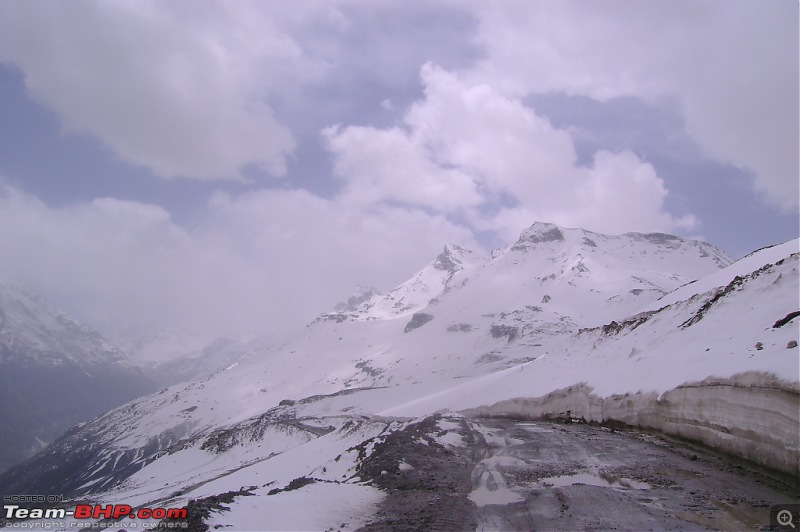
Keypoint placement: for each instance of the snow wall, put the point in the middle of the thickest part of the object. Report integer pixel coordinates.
(752, 415)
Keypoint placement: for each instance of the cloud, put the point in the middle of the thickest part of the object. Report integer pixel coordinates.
(219, 90)
(207, 90)
(732, 66)
(179, 88)
(469, 151)
(379, 165)
(215, 90)
(268, 260)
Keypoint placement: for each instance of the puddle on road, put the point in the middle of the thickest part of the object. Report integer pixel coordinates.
(483, 496)
(497, 493)
(492, 487)
(591, 479)
(532, 426)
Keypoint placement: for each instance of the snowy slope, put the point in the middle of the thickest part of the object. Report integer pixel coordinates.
(41, 350)
(452, 266)
(468, 333)
(743, 266)
(586, 276)
(704, 336)
(32, 328)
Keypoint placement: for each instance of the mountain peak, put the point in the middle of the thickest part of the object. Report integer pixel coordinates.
(538, 233)
(451, 258)
(416, 293)
(554, 237)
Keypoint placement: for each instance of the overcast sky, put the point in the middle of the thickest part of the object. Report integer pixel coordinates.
(242, 166)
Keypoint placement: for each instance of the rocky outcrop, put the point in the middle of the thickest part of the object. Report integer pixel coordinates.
(417, 320)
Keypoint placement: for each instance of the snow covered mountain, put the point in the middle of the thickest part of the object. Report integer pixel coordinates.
(552, 268)
(648, 329)
(54, 373)
(452, 266)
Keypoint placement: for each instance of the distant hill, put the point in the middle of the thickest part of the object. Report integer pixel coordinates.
(54, 373)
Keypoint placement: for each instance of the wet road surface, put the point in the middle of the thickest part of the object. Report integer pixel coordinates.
(510, 475)
(544, 476)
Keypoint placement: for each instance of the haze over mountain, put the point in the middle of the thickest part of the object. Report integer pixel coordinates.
(172, 356)
(54, 373)
(647, 329)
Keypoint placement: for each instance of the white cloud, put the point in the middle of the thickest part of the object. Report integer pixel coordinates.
(205, 90)
(732, 65)
(389, 164)
(264, 261)
(179, 88)
(469, 149)
(620, 188)
(191, 90)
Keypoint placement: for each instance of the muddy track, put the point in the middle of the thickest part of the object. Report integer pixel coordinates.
(508, 475)
(427, 484)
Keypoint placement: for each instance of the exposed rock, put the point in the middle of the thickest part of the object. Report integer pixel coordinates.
(488, 358)
(433, 494)
(417, 320)
(786, 319)
(295, 484)
(338, 317)
(446, 261)
(361, 295)
(537, 234)
(500, 331)
(660, 239)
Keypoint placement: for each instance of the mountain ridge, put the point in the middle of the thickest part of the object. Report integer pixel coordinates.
(572, 247)
(600, 345)
(41, 349)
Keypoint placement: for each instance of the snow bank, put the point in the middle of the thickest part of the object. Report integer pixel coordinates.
(752, 415)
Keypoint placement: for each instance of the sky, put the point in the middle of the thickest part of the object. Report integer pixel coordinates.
(240, 167)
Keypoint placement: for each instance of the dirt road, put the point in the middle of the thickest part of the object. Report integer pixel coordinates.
(510, 475)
